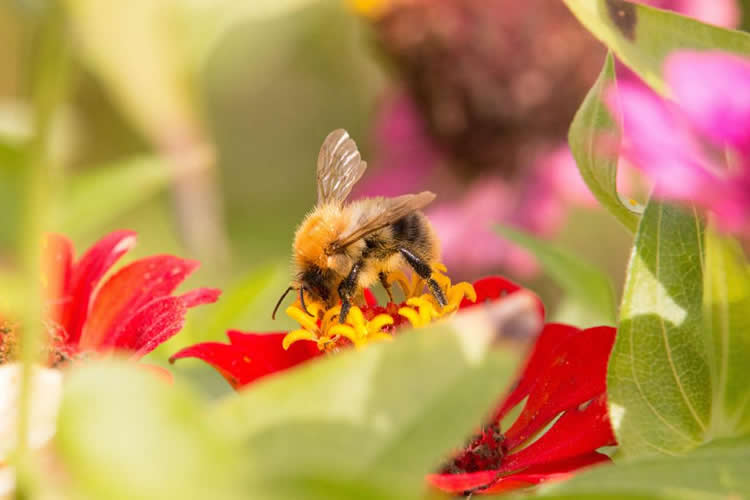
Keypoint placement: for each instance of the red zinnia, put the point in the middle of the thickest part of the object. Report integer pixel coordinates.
(132, 311)
(562, 384)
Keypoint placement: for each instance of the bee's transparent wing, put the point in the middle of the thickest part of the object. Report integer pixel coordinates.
(339, 167)
(391, 210)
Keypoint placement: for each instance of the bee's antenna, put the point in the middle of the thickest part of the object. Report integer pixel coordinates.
(302, 300)
(273, 315)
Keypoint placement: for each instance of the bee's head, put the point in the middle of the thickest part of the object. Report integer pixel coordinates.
(312, 282)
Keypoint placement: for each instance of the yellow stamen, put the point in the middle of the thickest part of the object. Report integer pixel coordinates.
(293, 336)
(322, 325)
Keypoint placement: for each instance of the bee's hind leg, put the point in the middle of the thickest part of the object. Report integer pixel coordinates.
(423, 271)
(386, 285)
(346, 291)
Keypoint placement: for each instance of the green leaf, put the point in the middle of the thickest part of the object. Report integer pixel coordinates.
(587, 288)
(383, 416)
(658, 378)
(716, 472)
(96, 197)
(642, 36)
(123, 433)
(597, 163)
(726, 295)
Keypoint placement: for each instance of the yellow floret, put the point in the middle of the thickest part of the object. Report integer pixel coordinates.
(357, 328)
(421, 309)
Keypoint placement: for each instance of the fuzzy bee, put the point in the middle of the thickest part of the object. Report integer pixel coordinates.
(342, 247)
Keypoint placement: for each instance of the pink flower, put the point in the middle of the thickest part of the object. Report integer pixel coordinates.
(724, 13)
(464, 228)
(696, 148)
(132, 311)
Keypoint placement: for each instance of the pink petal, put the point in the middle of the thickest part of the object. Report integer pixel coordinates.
(85, 277)
(658, 140)
(713, 88)
(576, 374)
(56, 275)
(579, 431)
(250, 356)
(128, 290)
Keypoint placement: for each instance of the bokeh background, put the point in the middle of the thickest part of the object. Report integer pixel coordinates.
(197, 123)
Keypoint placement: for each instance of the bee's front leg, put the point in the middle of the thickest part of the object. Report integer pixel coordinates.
(423, 270)
(347, 287)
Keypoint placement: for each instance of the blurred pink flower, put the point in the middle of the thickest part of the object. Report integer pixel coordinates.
(697, 147)
(464, 228)
(725, 13)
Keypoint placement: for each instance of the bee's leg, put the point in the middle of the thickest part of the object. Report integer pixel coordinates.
(386, 285)
(423, 270)
(346, 291)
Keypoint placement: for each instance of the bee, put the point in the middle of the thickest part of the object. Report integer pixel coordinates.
(342, 247)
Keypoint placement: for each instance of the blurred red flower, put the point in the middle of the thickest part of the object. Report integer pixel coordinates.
(133, 310)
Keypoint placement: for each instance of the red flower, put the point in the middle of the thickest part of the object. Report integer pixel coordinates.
(562, 383)
(564, 377)
(133, 310)
(250, 356)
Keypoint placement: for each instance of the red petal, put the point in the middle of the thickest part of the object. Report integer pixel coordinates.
(493, 288)
(370, 298)
(579, 431)
(563, 469)
(249, 356)
(459, 483)
(57, 270)
(545, 348)
(576, 373)
(557, 471)
(200, 296)
(86, 275)
(128, 290)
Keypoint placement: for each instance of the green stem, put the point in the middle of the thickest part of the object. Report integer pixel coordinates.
(49, 78)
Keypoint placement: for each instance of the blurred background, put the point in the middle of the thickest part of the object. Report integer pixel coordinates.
(197, 124)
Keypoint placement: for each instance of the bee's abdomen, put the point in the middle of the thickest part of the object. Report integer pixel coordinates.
(413, 231)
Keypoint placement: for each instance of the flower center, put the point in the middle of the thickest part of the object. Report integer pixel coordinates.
(484, 451)
(371, 322)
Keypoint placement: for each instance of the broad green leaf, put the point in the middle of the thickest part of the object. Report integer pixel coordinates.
(125, 433)
(586, 288)
(719, 472)
(385, 415)
(96, 197)
(727, 326)
(597, 162)
(642, 36)
(658, 376)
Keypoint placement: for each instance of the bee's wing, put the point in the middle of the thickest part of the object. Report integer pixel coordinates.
(339, 167)
(392, 209)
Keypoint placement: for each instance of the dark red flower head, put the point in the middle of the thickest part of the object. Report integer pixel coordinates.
(133, 310)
